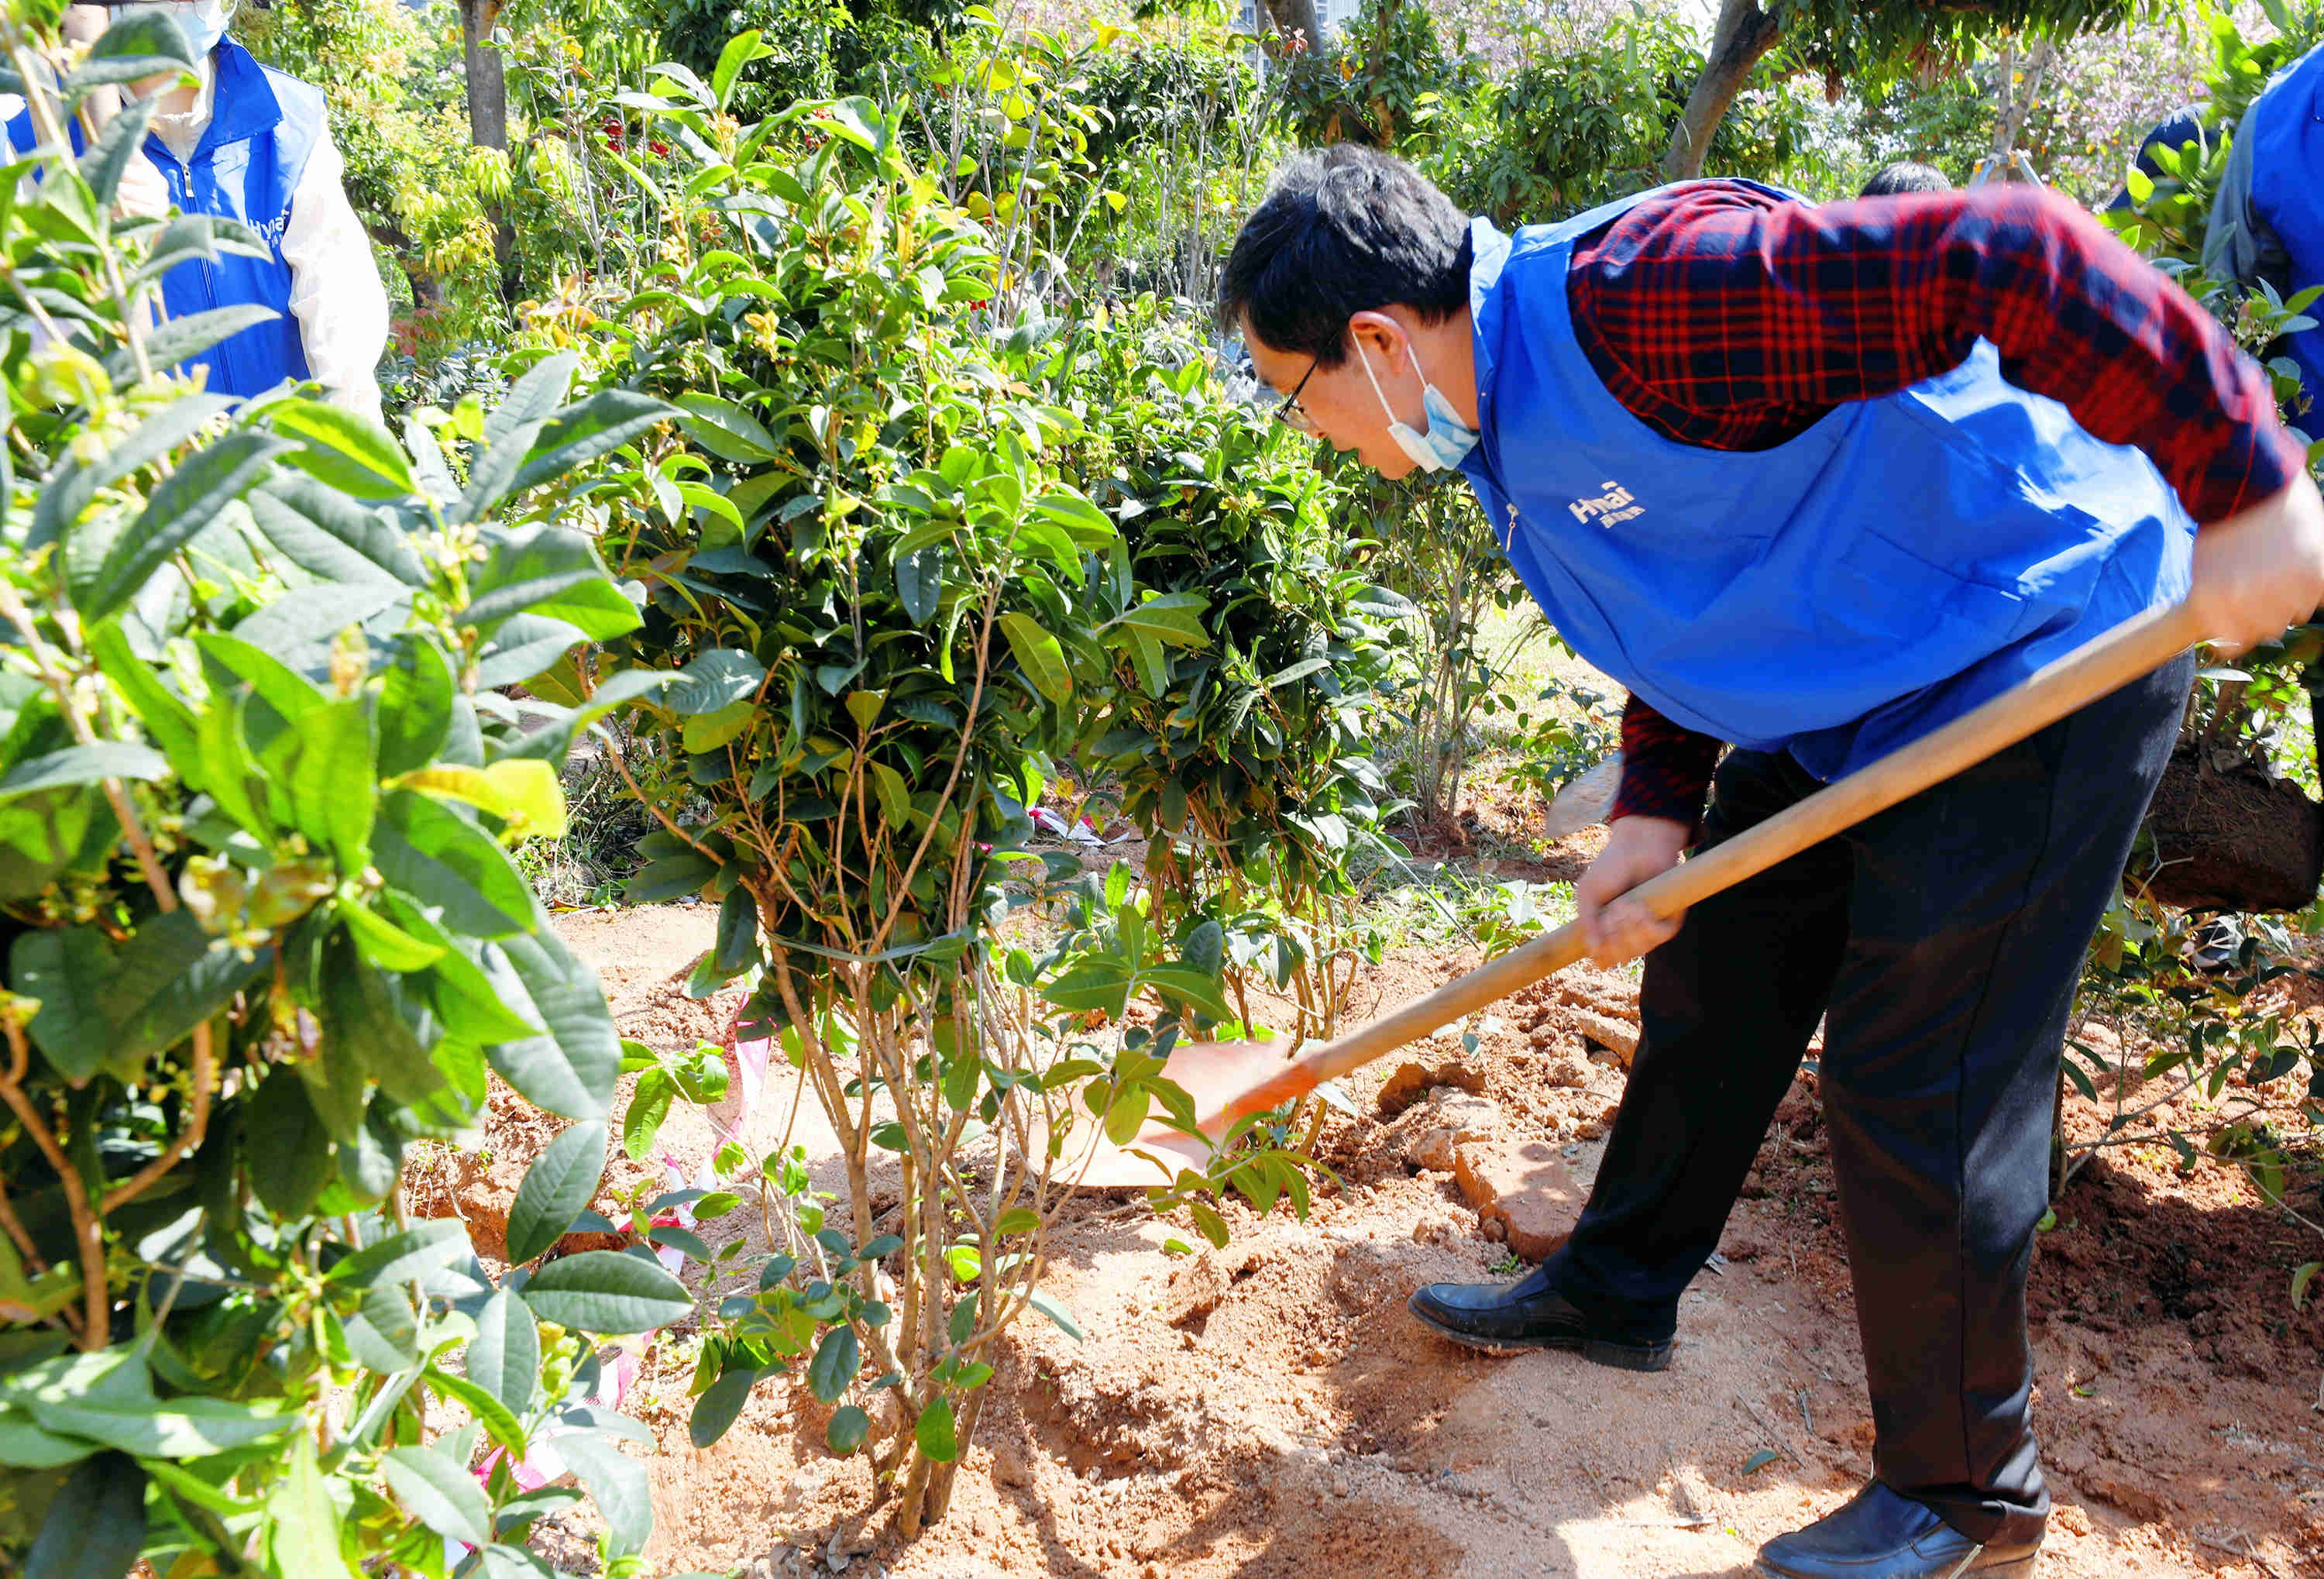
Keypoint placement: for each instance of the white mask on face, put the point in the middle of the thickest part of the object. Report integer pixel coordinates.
(205, 20)
(1448, 440)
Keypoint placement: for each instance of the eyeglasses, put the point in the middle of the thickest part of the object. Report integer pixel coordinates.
(1291, 413)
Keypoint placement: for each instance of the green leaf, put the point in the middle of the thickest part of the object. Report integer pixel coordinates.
(725, 429)
(1039, 654)
(848, 1427)
(552, 573)
(165, 716)
(441, 860)
(570, 1068)
(291, 1169)
(439, 1493)
(505, 1356)
(406, 1257)
(331, 536)
(836, 1359)
(501, 1560)
(1126, 1115)
(83, 764)
(522, 793)
(184, 1427)
(385, 944)
(596, 426)
(617, 1483)
(672, 877)
(74, 485)
(534, 397)
(608, 1292)
(24, 1445)
(96, 1523)
(302, 1521)
(933, 1431)
(500, 1423)
(98, 1003)
(107, 158)
(741, 49)
(510, 1518)
(1059, 1316)
(1089, 527)
(141, 44)
(717, 679)
(1195, 987)
(716, 1410)
(179, 509)
(649, 1106)
(1760, 1460)
(2301, 1276)
(555, 1189)
(920, 583)
(361, 1008)
(347, 450)
(333, 781)
(707, 732)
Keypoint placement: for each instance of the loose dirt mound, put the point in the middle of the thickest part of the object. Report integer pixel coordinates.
(2232, 840)
(1272, 1409)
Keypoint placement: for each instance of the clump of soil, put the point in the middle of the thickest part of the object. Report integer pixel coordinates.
(2233, 839)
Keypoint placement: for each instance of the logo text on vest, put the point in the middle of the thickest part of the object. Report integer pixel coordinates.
(1611, 508)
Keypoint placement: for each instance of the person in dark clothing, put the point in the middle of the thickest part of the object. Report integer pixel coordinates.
(1906, 175)
(1812, 480)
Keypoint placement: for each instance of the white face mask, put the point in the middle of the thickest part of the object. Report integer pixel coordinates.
(1448, 440)
(205, 20)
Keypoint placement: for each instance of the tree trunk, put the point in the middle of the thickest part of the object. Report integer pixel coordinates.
(1745, 33)
(1298, 16)
(2015, 98)
(487, 81)
(488, 118)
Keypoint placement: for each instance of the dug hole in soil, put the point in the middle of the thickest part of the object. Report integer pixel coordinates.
(1273, 1409)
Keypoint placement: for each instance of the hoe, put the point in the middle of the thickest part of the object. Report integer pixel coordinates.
(1228, 1080)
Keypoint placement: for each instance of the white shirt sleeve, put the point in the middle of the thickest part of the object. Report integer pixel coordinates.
(335, 286)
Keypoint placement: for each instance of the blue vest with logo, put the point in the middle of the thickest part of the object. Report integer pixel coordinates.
(1899, 562)
(262, 127)
(2286, 126)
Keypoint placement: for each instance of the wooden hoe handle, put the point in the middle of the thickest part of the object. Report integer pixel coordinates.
(2113, 661)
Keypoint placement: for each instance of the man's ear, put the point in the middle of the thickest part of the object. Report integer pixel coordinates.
(1381, 338)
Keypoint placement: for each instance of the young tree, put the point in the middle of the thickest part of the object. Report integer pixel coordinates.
(1860, 44)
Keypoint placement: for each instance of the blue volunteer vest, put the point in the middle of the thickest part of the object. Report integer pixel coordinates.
(2286, 126)
(262, 127)
(1900, 561)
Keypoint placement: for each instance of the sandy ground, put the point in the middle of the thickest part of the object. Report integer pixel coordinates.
(1272, 1408)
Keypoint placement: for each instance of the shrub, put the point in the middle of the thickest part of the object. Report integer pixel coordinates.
(877, 614)
(1246, 761)
(261, 929)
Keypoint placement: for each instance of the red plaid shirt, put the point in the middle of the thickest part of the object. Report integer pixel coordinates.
(1727, 319)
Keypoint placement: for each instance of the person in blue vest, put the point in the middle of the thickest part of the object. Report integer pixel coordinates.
(1811, 480)
(246, 141)
(2266, 221)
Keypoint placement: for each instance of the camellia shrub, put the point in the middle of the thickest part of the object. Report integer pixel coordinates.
(877, 615)
(1246, 761)
(261, 929)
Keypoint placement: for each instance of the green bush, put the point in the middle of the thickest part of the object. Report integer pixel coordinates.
(1247, 760)
(263, 929)
(878, 613)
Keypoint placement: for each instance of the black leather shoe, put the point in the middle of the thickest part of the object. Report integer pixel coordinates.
(1505, 1318)
(1882, 1534)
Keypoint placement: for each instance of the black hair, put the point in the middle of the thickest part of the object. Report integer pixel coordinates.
(1904, 176)
(1346, 230)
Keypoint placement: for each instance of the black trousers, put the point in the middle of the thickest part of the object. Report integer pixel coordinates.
(1943, 938)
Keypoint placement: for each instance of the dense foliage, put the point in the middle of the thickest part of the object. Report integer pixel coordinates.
(263, 930)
